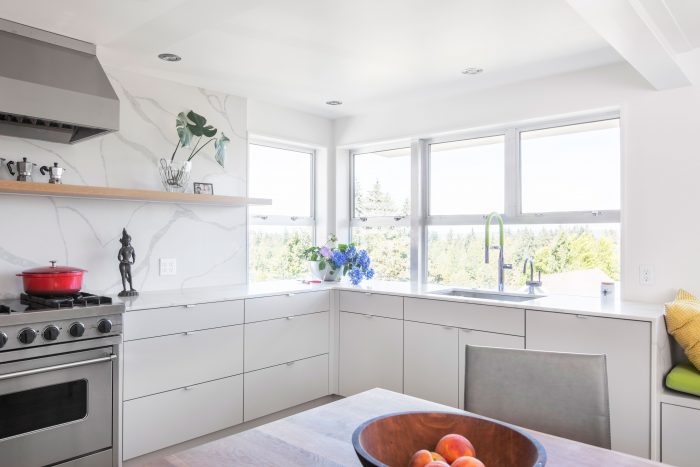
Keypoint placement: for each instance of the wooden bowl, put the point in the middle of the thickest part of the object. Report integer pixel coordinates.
(391, 440)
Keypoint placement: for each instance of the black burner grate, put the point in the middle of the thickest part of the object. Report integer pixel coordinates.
(64, 301)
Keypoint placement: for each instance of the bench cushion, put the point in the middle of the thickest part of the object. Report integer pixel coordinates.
(684, 378)
(683, 323)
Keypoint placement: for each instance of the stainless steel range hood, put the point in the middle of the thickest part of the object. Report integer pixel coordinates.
(52, 87)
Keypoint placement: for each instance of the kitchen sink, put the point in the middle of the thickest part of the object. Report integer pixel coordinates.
(488, 295)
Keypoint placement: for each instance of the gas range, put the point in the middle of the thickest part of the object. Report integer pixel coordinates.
(32, 321)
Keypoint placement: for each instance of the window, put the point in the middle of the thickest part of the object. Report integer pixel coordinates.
(280, 232)
(381, 204)
(558, 188)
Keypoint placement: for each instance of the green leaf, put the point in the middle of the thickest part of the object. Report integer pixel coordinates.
(198, 125)
(342, 247)
(183, 131)
(322, 265)
(220, 146)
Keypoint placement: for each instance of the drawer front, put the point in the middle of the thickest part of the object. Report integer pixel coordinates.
(140, 324)
(168, 362)
(484, 339)
(283, 386)
(281, 306)
(489, 318)
(278, 341)
(369, 303)
(161, 420)
(679, 428)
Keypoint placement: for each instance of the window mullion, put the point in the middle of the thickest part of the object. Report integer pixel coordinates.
(512, 174)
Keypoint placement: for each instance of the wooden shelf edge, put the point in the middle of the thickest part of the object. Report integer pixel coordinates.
(124, 194)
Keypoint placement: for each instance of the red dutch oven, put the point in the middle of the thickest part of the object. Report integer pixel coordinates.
(52, 280)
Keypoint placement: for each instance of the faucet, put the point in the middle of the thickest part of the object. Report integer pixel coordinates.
(532, 283)
(487, 247)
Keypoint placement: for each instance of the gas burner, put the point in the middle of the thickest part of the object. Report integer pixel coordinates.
(64, 301)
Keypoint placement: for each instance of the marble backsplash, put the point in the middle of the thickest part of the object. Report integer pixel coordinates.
(208, 242)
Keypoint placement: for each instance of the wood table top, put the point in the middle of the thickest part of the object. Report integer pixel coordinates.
(322, 437)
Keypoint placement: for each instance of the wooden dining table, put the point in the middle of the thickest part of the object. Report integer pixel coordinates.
(322, 437)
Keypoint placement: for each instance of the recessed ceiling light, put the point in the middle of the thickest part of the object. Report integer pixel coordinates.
(170, 57)
(472, 71)
(334, 102)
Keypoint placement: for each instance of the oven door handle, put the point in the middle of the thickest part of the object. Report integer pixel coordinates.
(63, 366)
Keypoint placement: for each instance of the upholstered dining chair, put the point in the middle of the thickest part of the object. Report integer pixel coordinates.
(563, 394)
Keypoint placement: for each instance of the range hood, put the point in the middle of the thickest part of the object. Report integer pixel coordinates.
(52, 87)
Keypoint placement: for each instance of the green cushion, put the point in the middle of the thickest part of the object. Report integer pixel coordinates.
(684, 378)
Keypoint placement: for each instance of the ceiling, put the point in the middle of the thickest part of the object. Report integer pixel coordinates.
(303, 53)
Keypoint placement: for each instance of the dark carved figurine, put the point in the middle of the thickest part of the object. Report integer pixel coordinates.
(126, 257)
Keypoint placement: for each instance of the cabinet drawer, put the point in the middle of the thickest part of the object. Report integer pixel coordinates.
(281, 306)
(277, 341)
(161, 420)
(679, 445)
(168, 362)
(283, 386)
(369, 303)
(489, 318)
(139, 324)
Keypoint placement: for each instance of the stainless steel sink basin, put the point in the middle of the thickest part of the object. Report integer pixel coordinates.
(488, 295)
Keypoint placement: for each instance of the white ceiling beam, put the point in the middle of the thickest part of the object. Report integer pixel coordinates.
(630, 30)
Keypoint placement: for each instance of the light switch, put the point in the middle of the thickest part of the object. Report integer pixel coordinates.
(168, 266)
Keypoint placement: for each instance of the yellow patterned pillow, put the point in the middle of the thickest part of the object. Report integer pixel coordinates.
(683, 323)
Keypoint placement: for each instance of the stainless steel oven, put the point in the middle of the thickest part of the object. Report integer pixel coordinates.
(57, 405)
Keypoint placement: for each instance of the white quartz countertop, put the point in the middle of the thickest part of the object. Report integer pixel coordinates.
(592, 306)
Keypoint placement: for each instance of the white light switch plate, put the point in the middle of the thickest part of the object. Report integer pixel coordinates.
(168, 266)
(646, 274)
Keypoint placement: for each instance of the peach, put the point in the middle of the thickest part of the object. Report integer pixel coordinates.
(437, 464)
(467, 461)
(420, 458)
(453, 446)
(437, 457)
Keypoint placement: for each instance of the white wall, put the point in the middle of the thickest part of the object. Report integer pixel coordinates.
(661, 163)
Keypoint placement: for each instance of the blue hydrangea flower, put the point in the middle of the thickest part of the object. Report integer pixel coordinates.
(356, 276)
(363, 259)
(369, 273)
(351, 252)
(338, 258)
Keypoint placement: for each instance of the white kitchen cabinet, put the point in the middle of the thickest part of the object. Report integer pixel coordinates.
(485, 339)
(168, 362)
(679, 428)
(281, 306)
(431, 362)
(280, 387)
(371, 353)
(627, 344)
(140, 324)
(370, 303)
(490, 318)
(161, 420)
(269, 343)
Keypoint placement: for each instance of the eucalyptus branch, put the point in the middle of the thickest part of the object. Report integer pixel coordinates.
(203, 146)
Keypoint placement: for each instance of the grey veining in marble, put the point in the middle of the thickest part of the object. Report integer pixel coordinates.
(208, 242)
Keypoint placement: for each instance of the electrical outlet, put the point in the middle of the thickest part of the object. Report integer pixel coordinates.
(168, 266)
(646, 274)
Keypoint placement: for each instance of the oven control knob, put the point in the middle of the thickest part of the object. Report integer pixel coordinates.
(76, 329)
(104, 326)
(27, 335)
(3, 339)
(50, 333)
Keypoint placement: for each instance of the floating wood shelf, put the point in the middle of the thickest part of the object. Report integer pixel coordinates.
(100, 192)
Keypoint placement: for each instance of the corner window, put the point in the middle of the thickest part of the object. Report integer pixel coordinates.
(381, 205)
(280, 232)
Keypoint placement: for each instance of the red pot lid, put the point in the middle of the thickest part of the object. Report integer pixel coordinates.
(53, 269)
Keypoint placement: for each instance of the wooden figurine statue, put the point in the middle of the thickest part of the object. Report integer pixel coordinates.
(126, 257)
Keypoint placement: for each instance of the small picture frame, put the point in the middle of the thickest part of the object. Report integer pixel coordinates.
(203, 188)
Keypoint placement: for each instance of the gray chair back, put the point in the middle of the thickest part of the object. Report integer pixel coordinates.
(562, 394)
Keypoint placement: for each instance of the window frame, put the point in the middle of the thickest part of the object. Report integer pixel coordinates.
(281, 220)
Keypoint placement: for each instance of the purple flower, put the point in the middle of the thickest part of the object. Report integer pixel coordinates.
(325, 252)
